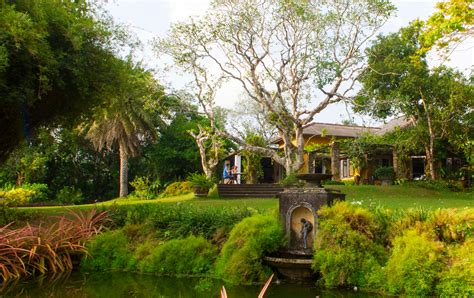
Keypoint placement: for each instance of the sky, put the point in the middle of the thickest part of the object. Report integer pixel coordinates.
(149, 19)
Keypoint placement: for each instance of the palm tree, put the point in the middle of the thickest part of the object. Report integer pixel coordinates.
(129, 118)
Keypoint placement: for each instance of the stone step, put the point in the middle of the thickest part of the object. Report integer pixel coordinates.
(249, 190)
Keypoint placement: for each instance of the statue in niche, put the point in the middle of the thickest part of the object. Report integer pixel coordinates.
(306, 227)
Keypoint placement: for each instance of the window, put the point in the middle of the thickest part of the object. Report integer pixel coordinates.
(345, 168)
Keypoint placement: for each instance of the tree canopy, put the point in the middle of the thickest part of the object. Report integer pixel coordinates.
(55, 61)
(293, 58)
(398, 81)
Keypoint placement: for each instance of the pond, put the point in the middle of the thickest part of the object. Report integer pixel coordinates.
(79, 284)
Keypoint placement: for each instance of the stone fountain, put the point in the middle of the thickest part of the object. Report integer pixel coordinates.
(298, 207)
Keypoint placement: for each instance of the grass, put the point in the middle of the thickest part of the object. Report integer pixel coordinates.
(393, 197)
(405, 196)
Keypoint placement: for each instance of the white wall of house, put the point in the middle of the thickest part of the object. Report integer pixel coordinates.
(238, 164)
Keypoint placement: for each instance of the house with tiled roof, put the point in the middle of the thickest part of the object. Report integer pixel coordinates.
(325, 155)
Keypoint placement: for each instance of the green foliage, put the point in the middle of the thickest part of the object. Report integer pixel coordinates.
(439, 99)
(107, 251)
(200, 181)
(348, 249)
(177, 188)
(357, 149)
(17, 196)
(439, 185)
(56, 60)
(252, 161)
(290, 180)
(414, 264)
(213, 193)
(69, 195)
(176, 221)
(191, 255)
(26, 194)
(451, 225)
(384, 173)
(144, 188)
(41, 192)
(449, 25)
(240, 260)
(458, 271)
(174, 155)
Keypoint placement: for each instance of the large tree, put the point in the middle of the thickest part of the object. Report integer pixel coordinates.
(55, 60)
(293, 58)
(127, 118)
(398, 81)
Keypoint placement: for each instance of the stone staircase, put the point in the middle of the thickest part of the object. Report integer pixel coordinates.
(249, 190)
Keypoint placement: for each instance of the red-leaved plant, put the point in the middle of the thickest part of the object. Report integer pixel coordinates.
(32, 249)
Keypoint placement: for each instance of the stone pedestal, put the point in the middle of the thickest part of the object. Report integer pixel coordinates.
(296, 204)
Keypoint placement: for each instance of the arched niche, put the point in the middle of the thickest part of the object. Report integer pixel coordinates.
(294, 226)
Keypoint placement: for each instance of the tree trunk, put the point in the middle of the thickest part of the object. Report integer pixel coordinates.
(123, 171)
(430, 162)
(430, 150)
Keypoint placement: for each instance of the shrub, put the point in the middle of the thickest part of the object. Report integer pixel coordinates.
(189, 220)
(17, 196)
(142, 251)
(107, 251)
(144, 188)
(414, 264)
(177, 188)
(69, 195)
(384, 173)
(240, 260)
(456, 279)
(413, 218)
(451, 225)
(179, 220)
(348, 249)
(46, 248)
(26, 194)
(213, 193)
(290, 180)
(192, 255)
(41, 192)
(438, 185)
(200, 181)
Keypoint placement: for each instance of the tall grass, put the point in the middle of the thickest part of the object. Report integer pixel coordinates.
(47, 248)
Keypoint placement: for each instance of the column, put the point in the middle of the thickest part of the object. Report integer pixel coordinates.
(335, 161)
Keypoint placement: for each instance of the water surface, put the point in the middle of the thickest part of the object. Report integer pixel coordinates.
(79, 284)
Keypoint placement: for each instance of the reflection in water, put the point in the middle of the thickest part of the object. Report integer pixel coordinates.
(79, 284)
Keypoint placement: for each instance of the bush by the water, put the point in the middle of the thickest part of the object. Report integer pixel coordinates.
(414, 264)
(348, 251)
(191, 255)
(458, 272)
(414, 252)
(240, 260)
(108, 251)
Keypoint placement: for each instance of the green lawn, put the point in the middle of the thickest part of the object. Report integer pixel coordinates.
(394, 197)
